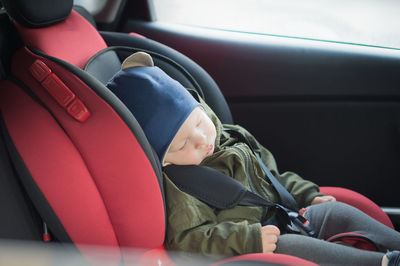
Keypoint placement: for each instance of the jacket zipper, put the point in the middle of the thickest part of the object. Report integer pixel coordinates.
(253, 189)
(246, 157)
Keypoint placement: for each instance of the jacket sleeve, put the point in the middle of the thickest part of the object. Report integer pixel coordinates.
(196, 227)
(304, 191)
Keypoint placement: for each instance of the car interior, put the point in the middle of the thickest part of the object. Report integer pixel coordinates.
(75, 162)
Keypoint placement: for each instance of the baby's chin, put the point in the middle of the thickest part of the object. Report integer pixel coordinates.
(205, 157)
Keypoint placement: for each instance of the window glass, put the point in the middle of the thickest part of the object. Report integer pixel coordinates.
(369, 22)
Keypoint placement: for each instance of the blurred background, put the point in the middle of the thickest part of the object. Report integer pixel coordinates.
(369, 22)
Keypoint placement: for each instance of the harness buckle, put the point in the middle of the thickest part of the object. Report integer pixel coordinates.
(301, 223)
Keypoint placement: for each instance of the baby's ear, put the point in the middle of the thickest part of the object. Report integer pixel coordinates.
(137, 59)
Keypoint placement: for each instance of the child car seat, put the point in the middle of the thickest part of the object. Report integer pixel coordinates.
(83, 160)
(90, 183)
(86, 180)
(91, 148)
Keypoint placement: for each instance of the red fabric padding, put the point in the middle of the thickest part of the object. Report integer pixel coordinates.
(74, 40)
(355, 240)
(115, 160)
(57, 167)
(137, 35)
(272, 258)
(360, 202)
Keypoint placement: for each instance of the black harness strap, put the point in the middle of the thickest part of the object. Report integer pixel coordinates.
(213, 187)
(223, 192)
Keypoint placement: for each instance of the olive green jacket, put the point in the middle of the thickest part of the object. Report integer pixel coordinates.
(194, 226)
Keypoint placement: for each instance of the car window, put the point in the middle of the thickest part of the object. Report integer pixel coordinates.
(369, 22)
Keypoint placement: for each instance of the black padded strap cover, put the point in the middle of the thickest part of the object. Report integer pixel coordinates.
(38, 13)
(213, 187)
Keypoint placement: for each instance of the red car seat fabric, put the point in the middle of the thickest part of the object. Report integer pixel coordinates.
(94, 175)
(355, 240)
(54, 163)
(65, 40)
(55, 28)
(40, 154)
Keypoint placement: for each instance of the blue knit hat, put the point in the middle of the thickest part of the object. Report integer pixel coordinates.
(159, 103)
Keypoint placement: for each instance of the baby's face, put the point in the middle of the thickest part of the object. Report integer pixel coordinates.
(194, 141)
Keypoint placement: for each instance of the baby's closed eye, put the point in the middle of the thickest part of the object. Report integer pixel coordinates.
(183, 145)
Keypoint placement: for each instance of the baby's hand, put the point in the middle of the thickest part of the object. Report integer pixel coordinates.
(322, 199)
(269, 235)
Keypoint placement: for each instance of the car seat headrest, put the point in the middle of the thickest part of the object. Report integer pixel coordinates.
(38, 13)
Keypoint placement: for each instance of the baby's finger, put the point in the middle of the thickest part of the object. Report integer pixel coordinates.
(331, 198)
(271, 229)
(269, 248)
(272, 239)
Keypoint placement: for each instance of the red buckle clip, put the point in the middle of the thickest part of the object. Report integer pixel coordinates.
(59, 91)
(78, 110)
(39, 70)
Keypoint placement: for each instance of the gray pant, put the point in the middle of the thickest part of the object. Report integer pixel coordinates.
(328, 219)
